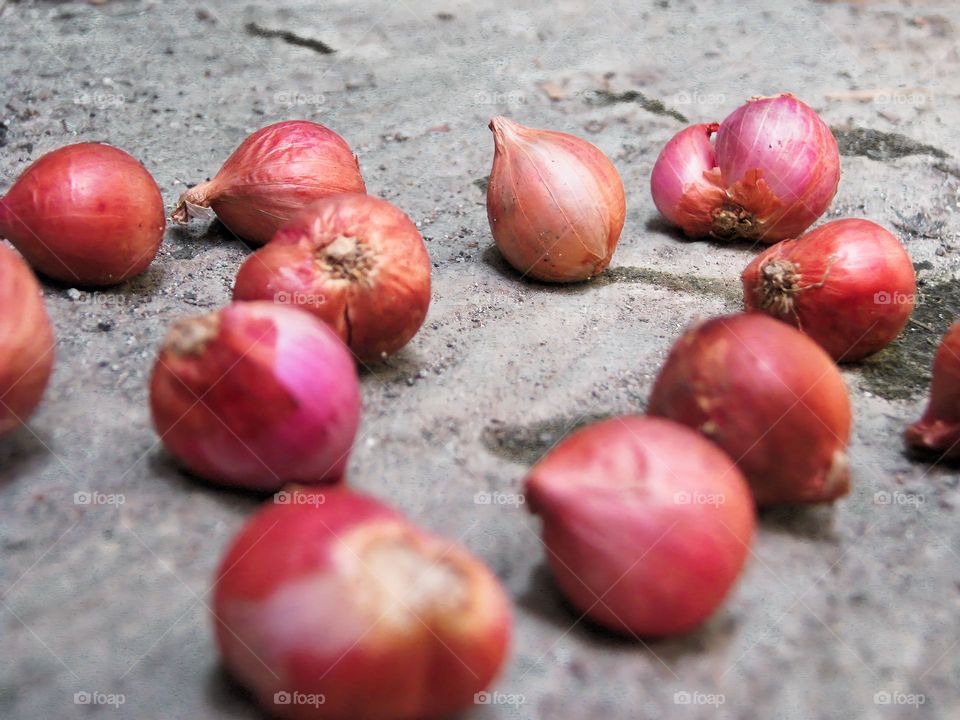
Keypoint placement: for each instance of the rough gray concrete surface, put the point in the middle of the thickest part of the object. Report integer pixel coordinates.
(840, 609)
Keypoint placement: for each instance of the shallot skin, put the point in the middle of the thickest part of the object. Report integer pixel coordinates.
(343, 600)
(775, 169)
(356, 262)
(555, 203)
(848, 284)
(939, 429)
(767, 395)
(272, 175)
(256, 395)
(85, 214)
(647, 524)
(26, 342)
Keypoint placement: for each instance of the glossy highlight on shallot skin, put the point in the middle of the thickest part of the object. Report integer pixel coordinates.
(555, 203)
(356, 262)
(340, 601)
(772, 171)
(647, 524)
(275, 173)
(770, 397)
(26, 341)
(256, 396)
(848, 284)
(938, 431)
(85, 214)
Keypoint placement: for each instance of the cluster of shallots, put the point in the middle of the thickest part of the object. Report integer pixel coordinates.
(772, 172)
(638, 510)
(327, 593)
(648, 520)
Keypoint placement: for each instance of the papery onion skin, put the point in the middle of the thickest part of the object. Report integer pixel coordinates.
(256, 395)
(777, 170)
(275, 173)
(85, 214)
(341, 597)
(555, 203)
(938, 431)
(26, 342)
(848, 284)
(767, 395)
(647, 525)
(356, 262)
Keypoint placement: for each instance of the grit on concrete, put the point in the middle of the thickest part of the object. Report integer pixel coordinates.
(843, 612)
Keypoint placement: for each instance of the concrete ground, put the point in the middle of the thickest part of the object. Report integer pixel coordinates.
(843, 612)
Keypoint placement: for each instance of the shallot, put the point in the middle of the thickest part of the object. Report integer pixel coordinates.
(256, 395)
(848, 284)
(334, 606)
(85, 214)
(555, 203)
(26, 341)
(770, 397)
(772, 172)
(647, 525)
(275, 173)
(354, 261)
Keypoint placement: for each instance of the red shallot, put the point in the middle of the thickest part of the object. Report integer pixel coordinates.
(647, 525)
(770, 397)
(939, 428)
(334, 606)
(555, 203)
(356, 262)
(256, 395)
(848, 284)
(85, 214)
(26, 341)
(275, 173)
(772, 172)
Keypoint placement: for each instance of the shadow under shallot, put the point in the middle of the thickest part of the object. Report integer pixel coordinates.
(543, 599)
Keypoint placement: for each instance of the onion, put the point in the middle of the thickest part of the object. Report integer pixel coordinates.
(939, 428)
(275, 173)
(773, 171)
(26, 341)
(256, 395)
(770, 397)
(848, 284)
(555, 203)
(85, 214)
(646, 524)
(354, 261)
(334, 606)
